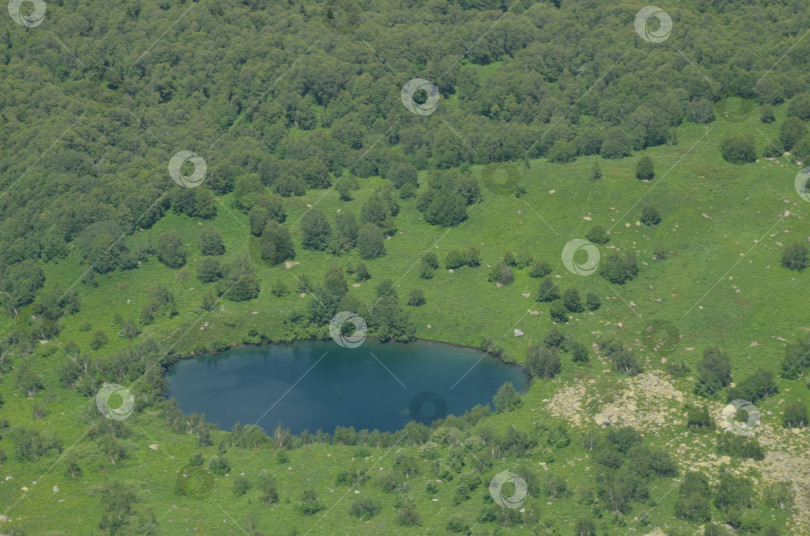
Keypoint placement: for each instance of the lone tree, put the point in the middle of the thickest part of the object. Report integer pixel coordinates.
(370, 242)
(598, 235)
(315, 230)
(791, 130)
(170, 250)
(795, 257)
(650, 216)
(738, 148)
(795, 415)
(543, 361)
(276, 245)
(573, 301)
(211, 242)
(645, 170)
(619, 269)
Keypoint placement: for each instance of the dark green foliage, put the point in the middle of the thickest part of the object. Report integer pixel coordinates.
(738, 148)
(800, 106)
(739, 446)
(558, 312)
(316, 233)
(276, 245)
(408, 516)
(98, 339)
(346, 230)
(617, 144)
(454, 260)
(795, 257)
(345, 186)
(543, 361)
(169, 250)
(694, 498)
(791, 131)
(548, 291)
(540, 269)
(756, 386)
(644, 169)
(239, 282)
(209, 269)
(598, 235)
(509, 259)
(267, 488)
(585, 527)
(650, 216)
(592, 301)
(766, 113)
(211, 242)
(380, 209)
(507, 398)
(416, 298)
(328, 297)
(309, 504)
(618, 268)
(401, 174)
(246, 191)
(579, 352)
(562, 151)
(797, 358)
(714, 372)
(573, 301)
(733, 492)
(365, 508)
(361, 273)
(698, 417)
(596, 171)
(431, 260)
(370, 241)
(240, 486)
(501, 273)
(795, 415)
(621, 358)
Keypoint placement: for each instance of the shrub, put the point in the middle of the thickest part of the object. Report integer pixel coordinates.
(738, 148)
(548, 291)
(644, 169)
(795, 415)
(454, 260)
(558, 312)
(791, 130)
(650, 216)
(795, 257)
(598, 235)
(573, 301)
(540, 269)
(592, 301)
(543, 361)
(416, 298)
(619, 269)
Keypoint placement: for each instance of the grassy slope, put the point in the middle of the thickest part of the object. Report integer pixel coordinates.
(743, 203)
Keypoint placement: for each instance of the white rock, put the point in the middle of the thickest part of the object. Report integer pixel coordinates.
(518, 333)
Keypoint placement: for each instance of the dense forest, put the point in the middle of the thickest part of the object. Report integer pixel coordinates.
(263, 167)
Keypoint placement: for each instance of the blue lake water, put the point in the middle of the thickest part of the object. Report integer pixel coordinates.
(321, 385)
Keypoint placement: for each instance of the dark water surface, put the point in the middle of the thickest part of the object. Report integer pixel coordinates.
(320, 385)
